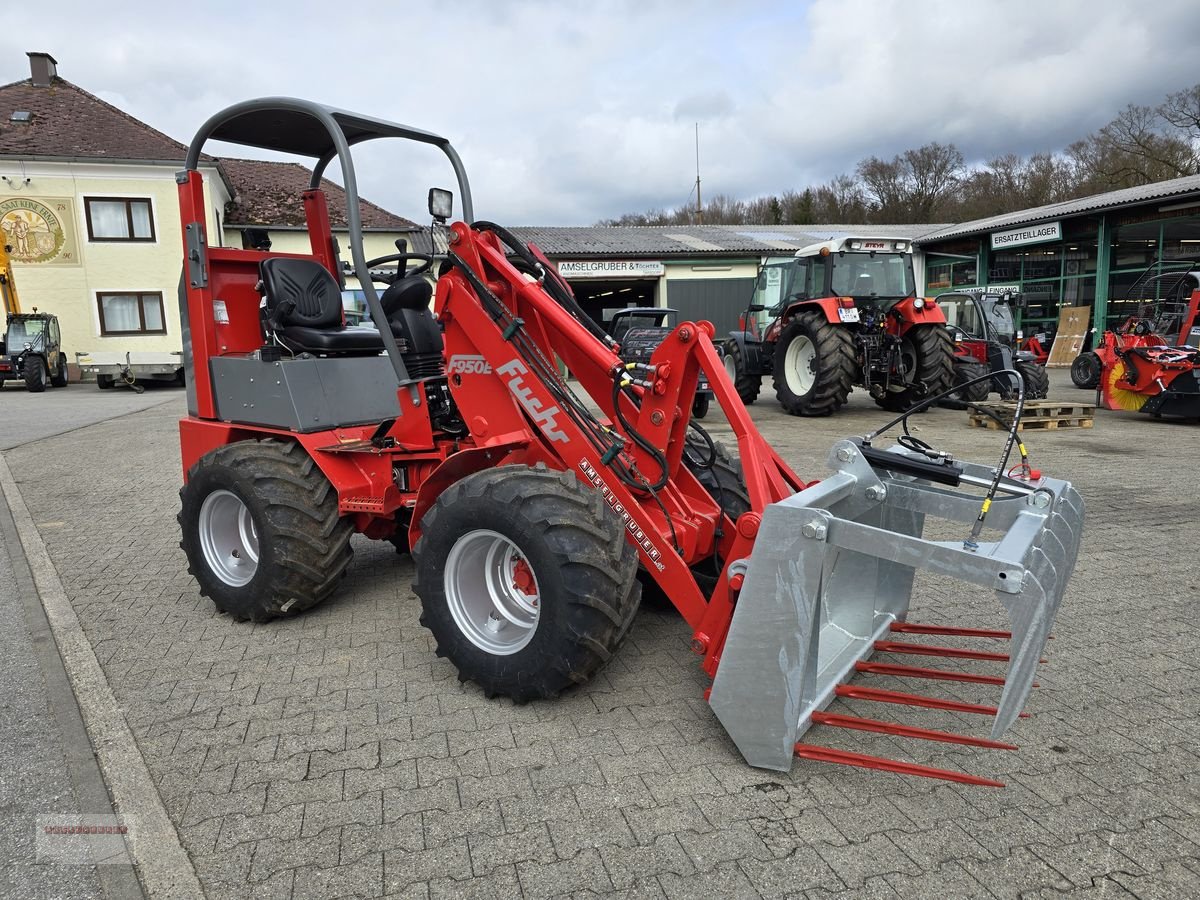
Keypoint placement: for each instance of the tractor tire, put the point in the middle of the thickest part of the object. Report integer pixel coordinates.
(261, 530)
(1037, 380)
(104, 382)
(723, 479)
(526, 580)
(747, 385)
(1086, 371)
(931, 352)
(700, 406)
(814, 366)
(59, 378)
(34, 372)
(975, 393)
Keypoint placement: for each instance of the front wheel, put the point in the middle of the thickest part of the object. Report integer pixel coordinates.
(525, 579)
(1085, 371)
(746, 384)
(926, 356)
(964, 392)
(1037, 380)
(59, 378)
(34, 371)
(104, 382)
(814, 365)
(700, 406)
(261, 529)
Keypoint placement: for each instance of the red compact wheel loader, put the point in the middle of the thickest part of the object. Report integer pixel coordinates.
(533, 504)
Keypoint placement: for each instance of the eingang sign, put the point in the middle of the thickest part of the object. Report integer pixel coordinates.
(610, 268)
(1032, 234)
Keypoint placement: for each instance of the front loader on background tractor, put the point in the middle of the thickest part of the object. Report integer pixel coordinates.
(839, 313)
(530, 512)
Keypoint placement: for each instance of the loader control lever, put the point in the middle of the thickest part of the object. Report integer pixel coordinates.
(940, 470)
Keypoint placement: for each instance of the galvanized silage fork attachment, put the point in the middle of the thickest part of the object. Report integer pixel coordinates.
(832, 574)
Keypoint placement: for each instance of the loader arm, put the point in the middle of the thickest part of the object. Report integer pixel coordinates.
(520, 335)
(840, 558)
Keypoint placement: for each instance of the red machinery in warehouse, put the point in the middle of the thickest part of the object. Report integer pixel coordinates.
(1151, 363)
(530, 514)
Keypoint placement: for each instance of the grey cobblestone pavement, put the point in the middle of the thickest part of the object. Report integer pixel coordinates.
(335, 755)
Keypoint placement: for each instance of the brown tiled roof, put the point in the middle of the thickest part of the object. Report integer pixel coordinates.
(268, 193)
(68, 121)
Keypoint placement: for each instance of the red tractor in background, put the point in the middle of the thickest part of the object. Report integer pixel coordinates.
(840, 313)
(985, 340)
(1168, 316)
(534, 515)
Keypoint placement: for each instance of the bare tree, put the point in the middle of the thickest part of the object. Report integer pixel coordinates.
(1181, 110)
(1132, 149)
(913, 186)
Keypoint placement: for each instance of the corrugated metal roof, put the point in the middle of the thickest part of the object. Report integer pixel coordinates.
(1111, 199)
(667, 241)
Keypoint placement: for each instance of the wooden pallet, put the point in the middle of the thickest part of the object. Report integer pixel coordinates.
(1038, 414)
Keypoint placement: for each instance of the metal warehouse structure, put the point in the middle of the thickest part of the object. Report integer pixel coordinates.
(1084, 252)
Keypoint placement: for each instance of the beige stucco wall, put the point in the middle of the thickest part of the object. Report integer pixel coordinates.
(375, 243)
(70, 291)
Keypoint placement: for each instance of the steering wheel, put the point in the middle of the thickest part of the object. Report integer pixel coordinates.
(403, 258)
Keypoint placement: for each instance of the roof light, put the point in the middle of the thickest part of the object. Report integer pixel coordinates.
(856, 245)
(901, 246)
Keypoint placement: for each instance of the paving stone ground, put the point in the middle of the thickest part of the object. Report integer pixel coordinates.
(334, 755)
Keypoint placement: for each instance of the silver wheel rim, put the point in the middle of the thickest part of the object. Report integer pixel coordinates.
(228, 538)
(800, 365)
(730, 367)
(492, 592)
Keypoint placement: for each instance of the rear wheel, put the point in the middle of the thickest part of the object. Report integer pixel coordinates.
(59, 378)
(747, 385)
(927, 355)
(814, 366)
(1085, 371)
(1037, 380)
(261, 530)
(34, 371)
(525, 579)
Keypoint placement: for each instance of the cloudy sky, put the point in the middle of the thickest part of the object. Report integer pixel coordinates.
(568, 112)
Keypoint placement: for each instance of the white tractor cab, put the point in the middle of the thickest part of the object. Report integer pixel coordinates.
(841, 312)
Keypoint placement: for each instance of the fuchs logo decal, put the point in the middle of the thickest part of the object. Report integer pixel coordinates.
(544, 416)
(635, 531)
(468, 365)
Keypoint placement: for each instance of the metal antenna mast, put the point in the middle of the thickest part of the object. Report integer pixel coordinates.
(699, 205)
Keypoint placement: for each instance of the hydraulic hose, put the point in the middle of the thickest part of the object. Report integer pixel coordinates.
(552, 282)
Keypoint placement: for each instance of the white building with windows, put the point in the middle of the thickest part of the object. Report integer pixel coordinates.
(88, 205)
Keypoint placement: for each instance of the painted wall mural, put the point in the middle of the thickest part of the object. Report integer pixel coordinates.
(40, 231)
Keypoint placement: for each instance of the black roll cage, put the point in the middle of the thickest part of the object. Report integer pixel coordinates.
(325, 133)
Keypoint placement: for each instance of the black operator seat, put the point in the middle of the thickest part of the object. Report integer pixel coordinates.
(418, 335)
(304, 310)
